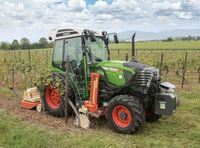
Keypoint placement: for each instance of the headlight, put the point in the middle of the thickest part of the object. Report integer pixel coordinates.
(167, 87)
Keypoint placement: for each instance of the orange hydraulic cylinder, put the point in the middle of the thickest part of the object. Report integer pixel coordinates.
(92, 104)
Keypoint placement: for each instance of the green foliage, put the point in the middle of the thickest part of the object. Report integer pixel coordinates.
(5, 45)
(169, 39)
(24, 43)
(43, 43)
(15, 44)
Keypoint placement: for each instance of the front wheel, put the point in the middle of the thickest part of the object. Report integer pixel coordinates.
(125, 114)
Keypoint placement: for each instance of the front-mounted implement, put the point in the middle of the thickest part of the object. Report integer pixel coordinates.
(126, 92)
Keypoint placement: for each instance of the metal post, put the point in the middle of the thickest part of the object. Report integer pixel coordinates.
(184, 71)
(161, 64)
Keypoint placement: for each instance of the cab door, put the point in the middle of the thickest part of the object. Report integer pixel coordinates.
(73, 51)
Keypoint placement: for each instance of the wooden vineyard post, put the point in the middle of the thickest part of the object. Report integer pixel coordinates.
(29, 60)
(20, 67)
(66, 89)
(19, 54)
(161, 63)
(5, 55)
(199, 75)
(184, 70)
(13, 77)
(118, 52)
(47, 58)
(13, 69)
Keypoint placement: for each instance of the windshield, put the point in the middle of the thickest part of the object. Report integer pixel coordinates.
(98, 49)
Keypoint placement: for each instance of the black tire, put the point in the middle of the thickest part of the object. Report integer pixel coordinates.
(59, 112)
(135, 110)
(150, 115)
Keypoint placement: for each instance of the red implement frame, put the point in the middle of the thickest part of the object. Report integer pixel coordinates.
(29, 105)
(92, 104)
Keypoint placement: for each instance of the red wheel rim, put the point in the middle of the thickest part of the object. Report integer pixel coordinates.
(53, 97)
(121, 116)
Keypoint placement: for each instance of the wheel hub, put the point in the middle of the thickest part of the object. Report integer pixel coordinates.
(53, 97)
(123, 115)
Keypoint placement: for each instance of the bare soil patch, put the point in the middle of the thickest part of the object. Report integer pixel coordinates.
(11, 106)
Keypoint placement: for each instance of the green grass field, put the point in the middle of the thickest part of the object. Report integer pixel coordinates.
(159, 45)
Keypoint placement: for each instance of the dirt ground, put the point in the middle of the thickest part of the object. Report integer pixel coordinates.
(11, 106)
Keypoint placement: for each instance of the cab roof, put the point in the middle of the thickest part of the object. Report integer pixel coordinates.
(62, 33)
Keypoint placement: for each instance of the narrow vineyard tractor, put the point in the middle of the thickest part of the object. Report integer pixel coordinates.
(126, 92)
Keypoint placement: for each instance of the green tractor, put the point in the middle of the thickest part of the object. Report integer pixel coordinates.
(127, 93)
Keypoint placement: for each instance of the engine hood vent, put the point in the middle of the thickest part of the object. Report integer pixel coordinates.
(139, 67)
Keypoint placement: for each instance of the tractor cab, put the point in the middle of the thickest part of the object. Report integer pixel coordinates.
(76, 45)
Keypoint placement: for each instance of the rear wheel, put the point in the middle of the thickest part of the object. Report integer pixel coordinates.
(53, 101)
(125, 114)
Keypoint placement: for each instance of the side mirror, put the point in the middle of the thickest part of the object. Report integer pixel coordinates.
(115, 38)
(50, 38)
(92, 36)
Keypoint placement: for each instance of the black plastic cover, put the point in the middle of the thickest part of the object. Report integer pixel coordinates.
(165, 104)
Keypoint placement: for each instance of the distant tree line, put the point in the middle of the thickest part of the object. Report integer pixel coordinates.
(24, 43)
(188, 38)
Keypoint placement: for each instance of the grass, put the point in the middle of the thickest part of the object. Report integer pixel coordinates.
(159, 45)
(180, 130)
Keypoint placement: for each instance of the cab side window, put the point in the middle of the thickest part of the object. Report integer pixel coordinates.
(58, 53)
(73, 49)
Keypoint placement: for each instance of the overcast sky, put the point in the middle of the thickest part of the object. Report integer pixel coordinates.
(35, 18)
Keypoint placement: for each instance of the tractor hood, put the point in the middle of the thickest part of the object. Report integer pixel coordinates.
(138, 66)
(121, 72)
(130, 66)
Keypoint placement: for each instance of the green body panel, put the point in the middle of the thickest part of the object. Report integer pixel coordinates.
(56, 70)
(114, 71)
(116, 78)
(86, 81)
(117, 64)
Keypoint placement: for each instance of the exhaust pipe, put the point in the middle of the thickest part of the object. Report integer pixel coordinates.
(133, 47)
